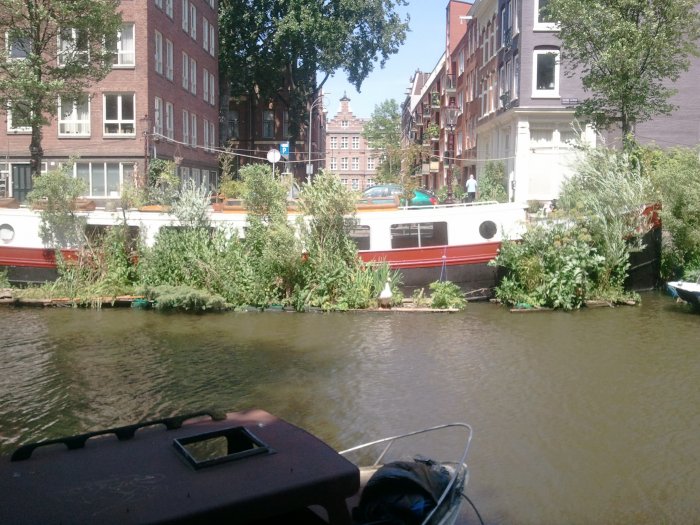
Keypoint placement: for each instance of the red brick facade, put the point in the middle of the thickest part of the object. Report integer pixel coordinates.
(347, 154)
(145, 90)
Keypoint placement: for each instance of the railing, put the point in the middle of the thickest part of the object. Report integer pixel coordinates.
(435, 100)
(507, 38)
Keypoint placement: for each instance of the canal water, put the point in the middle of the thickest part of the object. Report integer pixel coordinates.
(584, 417)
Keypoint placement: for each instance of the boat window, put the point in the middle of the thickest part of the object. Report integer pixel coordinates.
(7, 233)
(488, 229)
(96, 233)
(360, 235)
(417, 235)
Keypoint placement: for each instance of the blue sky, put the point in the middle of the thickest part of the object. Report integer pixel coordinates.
(423, 47)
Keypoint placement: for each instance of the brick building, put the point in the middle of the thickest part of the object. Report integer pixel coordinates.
(347, 153)
(159, 101)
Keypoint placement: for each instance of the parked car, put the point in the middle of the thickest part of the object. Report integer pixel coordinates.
(421, 198)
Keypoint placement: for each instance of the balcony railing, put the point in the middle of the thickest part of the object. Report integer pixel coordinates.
(507, 38)
(435, 100)
(427, 111)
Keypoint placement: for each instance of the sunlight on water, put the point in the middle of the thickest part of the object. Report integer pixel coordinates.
(582, 417)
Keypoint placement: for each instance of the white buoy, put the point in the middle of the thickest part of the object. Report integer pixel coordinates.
(385, 296)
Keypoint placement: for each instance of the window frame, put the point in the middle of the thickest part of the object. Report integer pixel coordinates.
(121, 54)
(169, 59)
(16, 130)
(169, 121)
(554, 91)
(542, 25)
(126, 123)
(82, 125)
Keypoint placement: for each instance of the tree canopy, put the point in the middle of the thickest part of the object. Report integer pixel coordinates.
(628, 53)
(53, 49)
(383, 134)
(277, 49)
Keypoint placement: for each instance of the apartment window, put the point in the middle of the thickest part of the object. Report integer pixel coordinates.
(344, 182)
(72, 46)
(355, 163)
(344, 163)
(158, 116)
(184, 173)
(19, 117)
(17, 45)
(344, 124)
(169, 8)
(185, 15)
(542, 19)
(233, 124)
(212, 135)
(268, 130)
(211, 40)
(546, 73)
(193, 21)
(369, 183)
(370, 166)
(355, 184)
(193, 76)
(205, 84)
(334, 163)
(168, 59)
(205, 34)
(185, 70)
(356, 143)
(205, 134)
(515, 24)
(119, 114)
(343, 143)
(123, 47)
(169, 121)
(193, 130)
(74, 117)
(185, 126)
(460, 62)
(103, 179)
(212, 92)
(159, 52)
(334, 143)
(159, 4)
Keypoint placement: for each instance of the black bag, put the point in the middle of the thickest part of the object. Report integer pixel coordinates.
(402, 493)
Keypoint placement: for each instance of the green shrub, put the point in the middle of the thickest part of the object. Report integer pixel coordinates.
(446, 294)
(184, 299)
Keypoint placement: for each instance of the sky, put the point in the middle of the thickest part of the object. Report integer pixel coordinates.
(423, 47)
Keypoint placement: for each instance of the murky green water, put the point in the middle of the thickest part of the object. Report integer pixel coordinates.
(585, 417)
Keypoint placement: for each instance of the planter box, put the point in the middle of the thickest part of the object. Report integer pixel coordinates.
(9, 202)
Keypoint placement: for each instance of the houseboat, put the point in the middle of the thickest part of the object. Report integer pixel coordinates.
(425, 243)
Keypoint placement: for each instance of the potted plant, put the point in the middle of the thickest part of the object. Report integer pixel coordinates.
(433, 131)
(162, 186)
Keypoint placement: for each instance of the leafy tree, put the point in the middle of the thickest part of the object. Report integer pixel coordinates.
(676, 174)
(492, 183)
(277, 49)
(628, 53)
(607, 195)
(383, 133)
(54, 49)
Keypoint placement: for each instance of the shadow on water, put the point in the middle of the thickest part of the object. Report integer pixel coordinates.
(582, 417)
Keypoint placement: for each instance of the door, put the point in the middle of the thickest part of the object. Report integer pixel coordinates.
(21, 181)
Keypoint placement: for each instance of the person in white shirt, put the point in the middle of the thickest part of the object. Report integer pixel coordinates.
(471, 189)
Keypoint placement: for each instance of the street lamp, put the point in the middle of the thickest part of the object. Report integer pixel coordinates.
(450, 120)
(309, 165)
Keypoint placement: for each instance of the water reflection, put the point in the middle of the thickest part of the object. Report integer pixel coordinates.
(584, 417)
